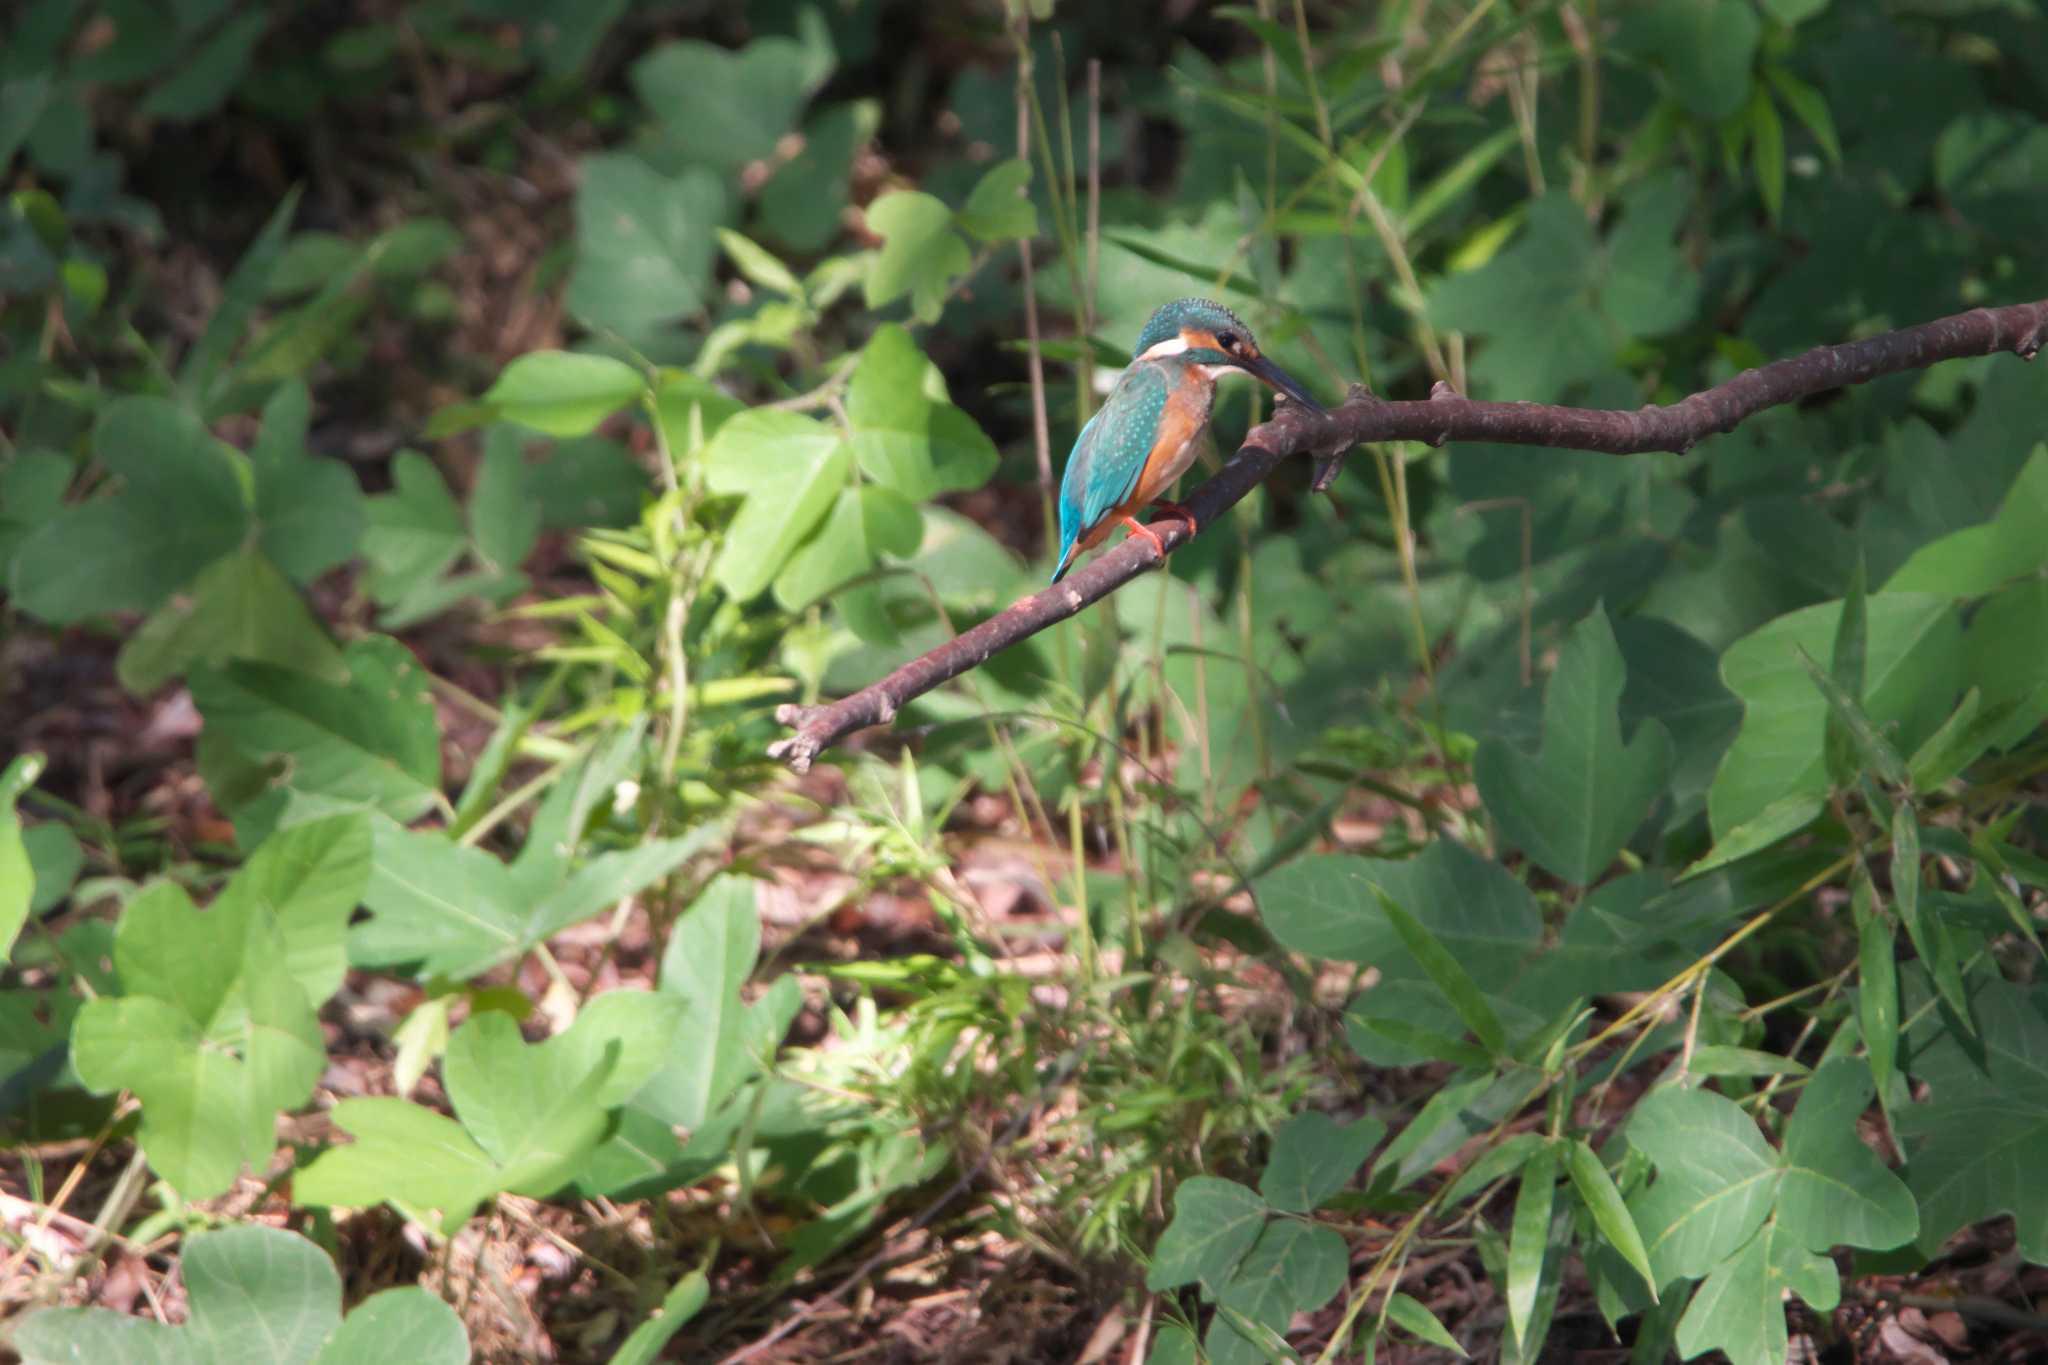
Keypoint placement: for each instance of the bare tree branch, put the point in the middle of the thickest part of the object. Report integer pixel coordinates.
(1444, 416)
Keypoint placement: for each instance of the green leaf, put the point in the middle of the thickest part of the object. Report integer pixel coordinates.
(1704, 48)
(1973, 1149)
(645, 242)
(415, 531)
(1978, 559)
(1597, 1191)
(1810, 107)
(1413, 1318)
(373, 742)
(1450, 978)
(905, 435)
(451, 910)
(863, 524)
(998, 210)
(1574, 805)
(308, 879)
(1215, 1222)
(204, 78)
(309, 511)
(181, 505)
(1767, 152)
(1912, 676)
(1313, 1157)
(403, 1153)
(1846, 670)
(212, 1054)
(247, 1286)
(791, 470)
(1739, 1307)
(32, 487)
(1328, 906)
(685, 1299)
(760, 265)
(1836, 1191)
(1293, 1267)
(921, 254)
(240, 607)
(1864, 748)
(242, 296)
(710, 956)
(504, 517)
(564, 393)
(1877, 977)
(17, 873)
(728, 108)
(1530, 1240)
(1716, 1180)
(802, 202)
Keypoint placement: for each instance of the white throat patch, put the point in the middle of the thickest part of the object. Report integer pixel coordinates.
(1173, 345)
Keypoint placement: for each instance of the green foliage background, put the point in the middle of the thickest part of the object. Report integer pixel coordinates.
(1703, 788)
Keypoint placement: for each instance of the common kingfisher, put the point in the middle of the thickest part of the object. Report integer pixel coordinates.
(1144, 438)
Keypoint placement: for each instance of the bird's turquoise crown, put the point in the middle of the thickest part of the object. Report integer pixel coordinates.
(1204, 315)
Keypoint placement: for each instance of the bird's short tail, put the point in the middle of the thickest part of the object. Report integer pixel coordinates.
(1068, 548)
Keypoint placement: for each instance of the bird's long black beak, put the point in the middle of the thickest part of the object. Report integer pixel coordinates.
(1261, 368)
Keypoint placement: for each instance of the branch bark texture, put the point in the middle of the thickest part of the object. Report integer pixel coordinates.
(1444, 416)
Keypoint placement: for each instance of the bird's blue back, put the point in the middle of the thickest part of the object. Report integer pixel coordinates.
(1110, 453)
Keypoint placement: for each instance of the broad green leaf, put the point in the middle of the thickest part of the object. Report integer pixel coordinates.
(998, 210)
(921, 253)
(373, 742)
(1293, 1267)
(1836, 1191)
(726, 107)
(17, 871)
(863, 524)
(1703, 48)
(254, 1292)
(415, 531)
(504, 516)
(309, 511)
(308, 879)
(1973, 1148)
(1530, 1240)
(1911, 681)
(1313, 1157)
(644, 241)
(1413, 1318)
(240, 607)
(1598, 1192)
(906, 436)
(1740, 1306)
(1809, 106)
(212, 1054)
(181, 505)
(802, 202)
(2007, 656)
(533, 1114)
(710, 954)
(1720, 1059)
(1716, 1180)
(563, 393)
(1215, 1222)
(1442, 968)
(792, 469)
(1328, 906)
(404, 1153)
(1574, 805)
(32, 487)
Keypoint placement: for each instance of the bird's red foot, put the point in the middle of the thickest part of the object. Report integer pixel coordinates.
(1174, 509)
(1139, 529)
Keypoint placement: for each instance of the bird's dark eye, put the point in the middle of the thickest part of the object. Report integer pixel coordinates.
(1227, 340)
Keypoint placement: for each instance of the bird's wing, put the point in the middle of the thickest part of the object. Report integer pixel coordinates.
(1110, 453)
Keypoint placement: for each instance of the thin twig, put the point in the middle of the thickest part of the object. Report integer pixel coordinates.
(1444, 416)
